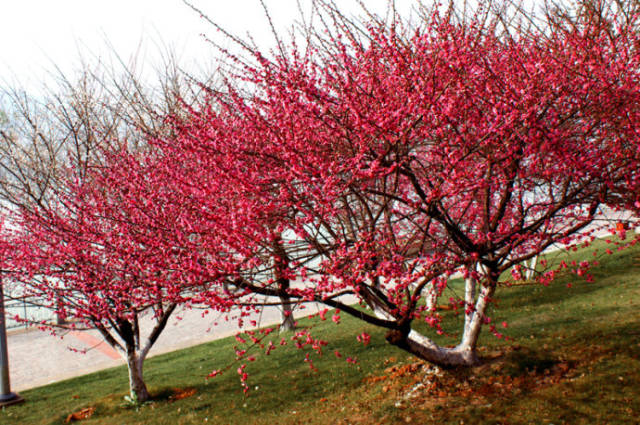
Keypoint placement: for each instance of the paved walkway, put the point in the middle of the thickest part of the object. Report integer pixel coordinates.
(37, 358)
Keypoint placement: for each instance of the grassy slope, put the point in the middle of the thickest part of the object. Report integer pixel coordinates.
(575, 359)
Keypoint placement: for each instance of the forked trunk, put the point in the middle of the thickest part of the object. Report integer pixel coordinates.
(464, 354)
(133, 350)
(441, 356)
(137, 388)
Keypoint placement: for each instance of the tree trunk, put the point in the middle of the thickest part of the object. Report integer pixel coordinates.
(532, 268)
(137, 387)
(441, 356)
(288, 324)
(430, 296)
(473, 325)
(469, 300)
(281, 264)
(464, 354)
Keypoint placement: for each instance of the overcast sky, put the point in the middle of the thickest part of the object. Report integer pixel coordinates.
(36, 34)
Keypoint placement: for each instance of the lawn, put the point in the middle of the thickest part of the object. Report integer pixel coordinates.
(574, 358)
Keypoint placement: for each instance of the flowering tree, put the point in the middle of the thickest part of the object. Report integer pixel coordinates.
(109, 252)
(82, 207)
(393, 156)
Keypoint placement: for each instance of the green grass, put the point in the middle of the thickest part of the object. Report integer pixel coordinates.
(574, 358)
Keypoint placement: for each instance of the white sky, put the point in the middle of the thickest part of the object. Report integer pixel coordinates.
(36, 34)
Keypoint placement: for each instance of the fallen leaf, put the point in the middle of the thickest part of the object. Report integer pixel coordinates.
(80, 415)
(180, 393)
